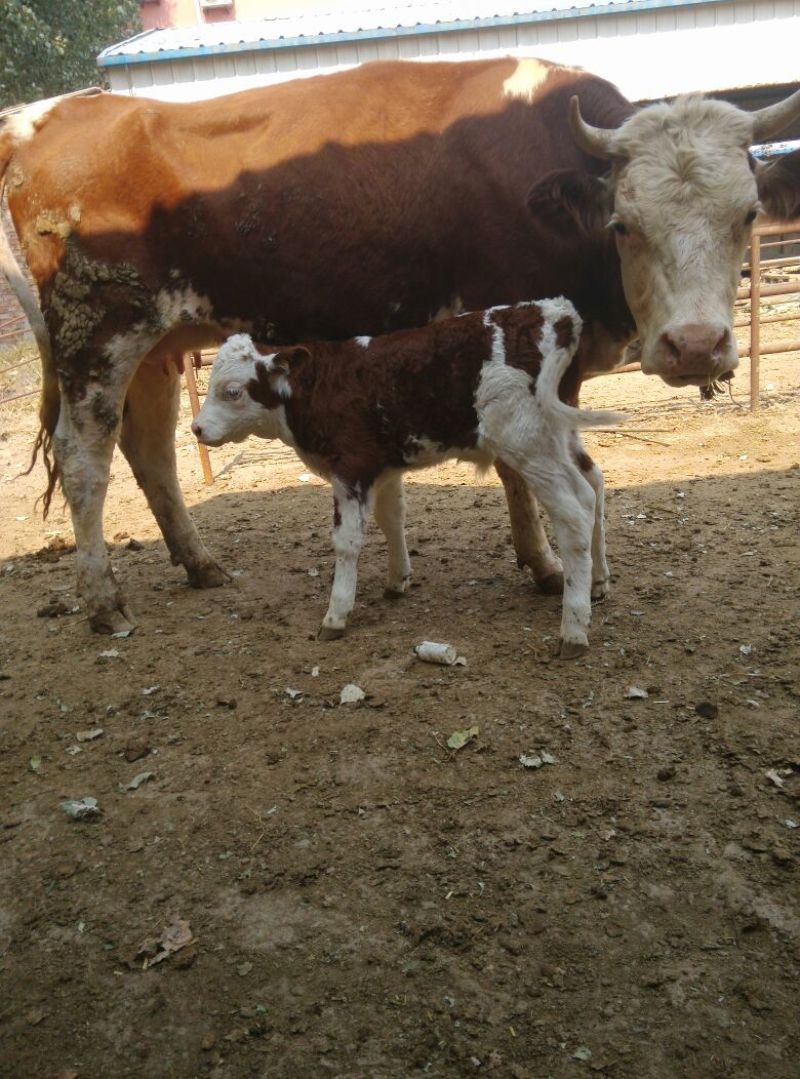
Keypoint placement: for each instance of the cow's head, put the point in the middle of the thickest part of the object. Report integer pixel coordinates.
(245, 393)
(681, 196)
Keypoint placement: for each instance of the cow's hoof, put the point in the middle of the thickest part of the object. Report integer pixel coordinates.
(118, 622)
(551, 585)
(209, 575)
(330, 633)
(572, 649)
(600, 590)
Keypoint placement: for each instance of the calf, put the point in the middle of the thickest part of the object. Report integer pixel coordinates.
(481, 387)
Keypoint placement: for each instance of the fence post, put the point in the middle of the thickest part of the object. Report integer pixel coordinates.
(755, 316)
(189, 361)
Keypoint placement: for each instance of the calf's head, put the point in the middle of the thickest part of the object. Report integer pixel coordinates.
(681, 196)
(246, 392)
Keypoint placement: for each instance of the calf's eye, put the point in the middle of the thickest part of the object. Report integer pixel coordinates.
(751, 217)
(619, 227)
(232, 393)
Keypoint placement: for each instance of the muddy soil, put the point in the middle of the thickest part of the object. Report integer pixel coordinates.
(364, 901)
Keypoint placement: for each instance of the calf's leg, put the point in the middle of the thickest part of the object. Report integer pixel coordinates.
(148, 442)
(600, 572)
(527, 532)
(570, 500)
(390, 515)
(349, 525)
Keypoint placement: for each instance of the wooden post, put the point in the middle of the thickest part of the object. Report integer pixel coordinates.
(755, 325)
(190, 361)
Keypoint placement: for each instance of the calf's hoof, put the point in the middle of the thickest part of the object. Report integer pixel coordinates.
(600, 589)
(396, 592)
(551, 585)
(572, 649)
(117, 621)
(209, 575)
(330, 633)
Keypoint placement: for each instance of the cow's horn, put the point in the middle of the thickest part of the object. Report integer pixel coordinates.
(775, 118)
(593, 140)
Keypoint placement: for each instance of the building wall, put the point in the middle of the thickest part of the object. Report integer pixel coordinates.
(649, 54)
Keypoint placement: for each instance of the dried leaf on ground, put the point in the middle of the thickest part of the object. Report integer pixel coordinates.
(458, 739)
(176, 936)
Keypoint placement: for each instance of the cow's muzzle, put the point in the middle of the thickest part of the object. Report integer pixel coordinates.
(693, 354)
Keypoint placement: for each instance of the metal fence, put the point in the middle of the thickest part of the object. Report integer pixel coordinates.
(781, 244)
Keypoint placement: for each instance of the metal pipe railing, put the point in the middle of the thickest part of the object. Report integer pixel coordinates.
(756, 291)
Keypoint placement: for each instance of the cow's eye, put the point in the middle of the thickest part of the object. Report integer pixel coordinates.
(751, 217)
(232, 393)
(619, 227)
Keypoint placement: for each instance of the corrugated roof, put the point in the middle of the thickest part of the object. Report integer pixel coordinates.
(315, 28)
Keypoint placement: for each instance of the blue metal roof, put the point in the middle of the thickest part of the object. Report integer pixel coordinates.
(308, 30)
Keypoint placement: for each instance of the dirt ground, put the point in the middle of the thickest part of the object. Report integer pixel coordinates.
(364, 901)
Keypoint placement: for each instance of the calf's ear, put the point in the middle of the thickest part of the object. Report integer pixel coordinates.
(779, 186)
(282, 362)
(570, 197)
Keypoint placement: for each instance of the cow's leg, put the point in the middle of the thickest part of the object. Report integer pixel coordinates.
(600, 572)
(570, 500)
(390, 515)
(527, 532)
(83, 444)
(148, 442)
(349, 524)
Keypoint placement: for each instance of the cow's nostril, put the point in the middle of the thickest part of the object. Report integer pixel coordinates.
(672, 347)
(722, 344)
(197, 430)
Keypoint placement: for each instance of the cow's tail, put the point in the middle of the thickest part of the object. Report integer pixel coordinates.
(50, 399)
(562, 332)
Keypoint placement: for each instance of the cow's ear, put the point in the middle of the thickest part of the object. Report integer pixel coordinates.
(569, 195)
(282, 362)
(779, 186)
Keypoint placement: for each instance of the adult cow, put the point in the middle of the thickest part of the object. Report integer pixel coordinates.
(358, 203)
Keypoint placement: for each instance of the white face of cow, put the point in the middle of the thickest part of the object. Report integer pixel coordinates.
(684, 197)
(244, 395)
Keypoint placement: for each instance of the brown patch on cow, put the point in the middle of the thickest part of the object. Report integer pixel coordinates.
(261, 387)
(565, 332)
(779, 186)
(522, 336)
(365, 410)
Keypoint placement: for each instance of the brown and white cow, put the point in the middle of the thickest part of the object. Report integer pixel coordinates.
(361, 202)
(481, 387)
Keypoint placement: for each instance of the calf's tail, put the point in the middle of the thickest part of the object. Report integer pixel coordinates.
(560, 339)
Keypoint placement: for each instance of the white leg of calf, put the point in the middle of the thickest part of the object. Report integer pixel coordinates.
(600, 573)
(350, 520)
(390, 515)
(531, 544)
(83, 445)
(570, 501)
(148, 441)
